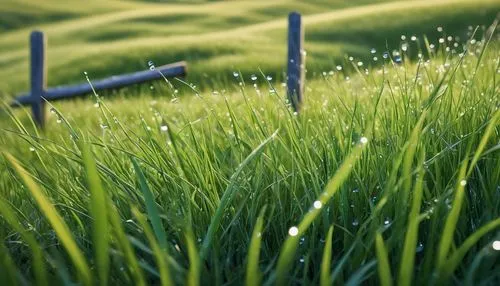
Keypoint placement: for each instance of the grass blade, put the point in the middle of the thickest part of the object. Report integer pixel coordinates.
(39, 269)
(451, 220)
(193, 278)
(455, 259)
(290, 246)
(326, 260)
(484, 140)
(151, 208)
(253, 274)
(128, 251)
(408, 256)
(228, 195)
(9, 270)
(155, 247)
(60, 227)
(384, 268)
(98, 213)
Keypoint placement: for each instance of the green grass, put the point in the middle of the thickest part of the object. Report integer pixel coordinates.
(389, 175)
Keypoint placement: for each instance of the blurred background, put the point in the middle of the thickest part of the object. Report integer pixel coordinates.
(216, 38)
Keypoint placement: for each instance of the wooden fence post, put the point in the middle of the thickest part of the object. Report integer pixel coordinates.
(38, 77)
(295, 70)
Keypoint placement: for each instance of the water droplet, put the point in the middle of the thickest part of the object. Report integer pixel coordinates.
(441, 40)
(85, 73)
(52, 110)
(363, 140)
(375, 59)
(360, 64)
(32, 149)
(269, 78)
(420, 247)
(339, 67)
(58, 120)
(351, 59)
(439, 29)
(397, 59)
(295, 113)
(387, 221)
(293, 231)
(373, 51)
(463, 182)
(403, 37)
(317, 204)
(355, 222)
(355, 191)
(96, 105)
(496, 245)
(253, 77)
(103, 126)
(236, 74)
(302, 260)
(414, 38)
(385, 55)
(164, 128)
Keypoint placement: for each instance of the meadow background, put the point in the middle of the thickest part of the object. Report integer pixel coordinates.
(389, 175)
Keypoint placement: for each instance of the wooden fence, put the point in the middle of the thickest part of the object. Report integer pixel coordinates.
(38, 81)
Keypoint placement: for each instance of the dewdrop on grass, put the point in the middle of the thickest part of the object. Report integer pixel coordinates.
(317, 204)
(293, 231)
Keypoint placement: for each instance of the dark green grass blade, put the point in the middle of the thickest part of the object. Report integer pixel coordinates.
(160, 254)
(228, 195)
(153, 214)
(13, 220)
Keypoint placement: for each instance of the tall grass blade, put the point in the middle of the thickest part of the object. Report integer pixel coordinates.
(193, 278)
(13, 220)
(153, 213)
(327, 260)
(159, 253)
(451, 220)
(99, 214)
(384, 268)
(253, 274)
(484, 140)
(290, 246)
(228, 195)
(408, 255)
(452, 263)
(60, 227)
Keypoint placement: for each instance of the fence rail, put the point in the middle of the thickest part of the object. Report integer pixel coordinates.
(65, 92)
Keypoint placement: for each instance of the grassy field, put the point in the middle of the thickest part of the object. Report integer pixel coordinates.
(389, 175)
(216, 38)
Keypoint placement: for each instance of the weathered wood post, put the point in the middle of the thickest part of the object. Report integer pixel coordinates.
(295, 70)
(38, 77)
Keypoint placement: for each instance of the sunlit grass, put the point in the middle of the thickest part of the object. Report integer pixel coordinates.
(389, 175)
